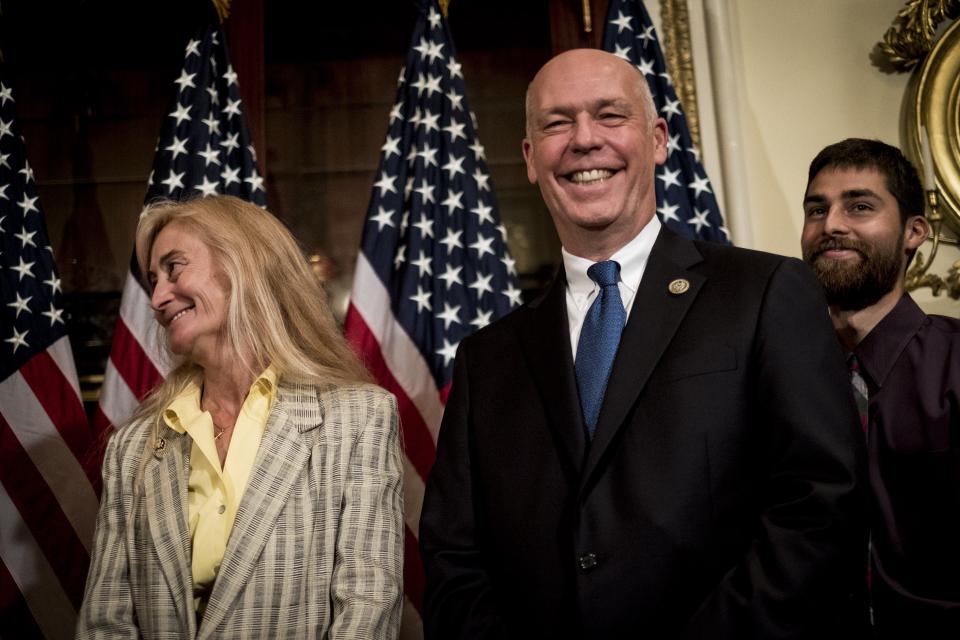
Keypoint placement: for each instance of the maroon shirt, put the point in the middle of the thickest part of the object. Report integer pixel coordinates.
(911, 362)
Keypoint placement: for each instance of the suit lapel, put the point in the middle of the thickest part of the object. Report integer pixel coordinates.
(283, 453)
(654, 318)
(165, 499)
(546, 343)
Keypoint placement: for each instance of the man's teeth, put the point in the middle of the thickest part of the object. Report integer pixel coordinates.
(593, 175)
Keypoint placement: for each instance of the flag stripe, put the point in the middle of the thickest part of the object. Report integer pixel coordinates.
(413, 578)
(411, 625)
(52, 610)
(413, 488)
(14, 610)
(138, 317)
(132, 362)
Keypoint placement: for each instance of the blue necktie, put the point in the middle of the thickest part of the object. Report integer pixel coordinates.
(599, 338)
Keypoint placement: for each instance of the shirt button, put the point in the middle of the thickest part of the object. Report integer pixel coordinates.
(587, 561)
(222, 509)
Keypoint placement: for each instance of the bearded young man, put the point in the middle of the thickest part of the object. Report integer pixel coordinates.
(863, 222)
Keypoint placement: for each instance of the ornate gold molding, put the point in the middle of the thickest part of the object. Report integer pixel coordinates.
(676, 48)
(910, 39)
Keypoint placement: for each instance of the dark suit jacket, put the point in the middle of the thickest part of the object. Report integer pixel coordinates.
(718, 499)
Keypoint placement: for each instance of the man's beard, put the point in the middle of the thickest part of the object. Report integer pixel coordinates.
(852, 286)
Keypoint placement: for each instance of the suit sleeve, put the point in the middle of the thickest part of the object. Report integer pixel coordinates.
(799, 576)
(367, 580)
(459, 601)
(107, 610)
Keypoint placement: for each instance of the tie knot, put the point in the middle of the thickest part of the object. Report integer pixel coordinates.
(604, 273)
(852, 363)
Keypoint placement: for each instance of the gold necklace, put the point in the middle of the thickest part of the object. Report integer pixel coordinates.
(220, 431)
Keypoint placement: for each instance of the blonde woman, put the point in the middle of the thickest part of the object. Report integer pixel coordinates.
(257, 491)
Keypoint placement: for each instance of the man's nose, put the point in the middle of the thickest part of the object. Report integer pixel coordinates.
(586, 134)
(835, 222)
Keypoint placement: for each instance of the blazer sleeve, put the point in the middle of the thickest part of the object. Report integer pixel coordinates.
(107, 610)
(459, 601)
(800, 575)
(367, 580)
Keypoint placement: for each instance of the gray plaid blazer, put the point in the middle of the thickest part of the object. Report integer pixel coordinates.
(316, 549)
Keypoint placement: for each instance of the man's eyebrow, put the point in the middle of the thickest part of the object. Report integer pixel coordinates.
(814, 198)
(849, 194)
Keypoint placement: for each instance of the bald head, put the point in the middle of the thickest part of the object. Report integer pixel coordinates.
(561, 66)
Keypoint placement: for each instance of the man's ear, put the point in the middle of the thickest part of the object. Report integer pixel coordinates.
(660, 135)
(528, 158)
(915, 232)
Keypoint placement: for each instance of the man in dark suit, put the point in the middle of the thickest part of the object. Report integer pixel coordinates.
(664, 444)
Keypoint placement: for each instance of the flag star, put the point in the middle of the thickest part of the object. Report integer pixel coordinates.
(422, 47)
(232, 108)
(422, 298)
(699, 186)
(54, 284)
(391, 147)
(2, 218)
(178, 146)
(213, 125)
(434, 18)
(453, 201)
(411, 156)
(423, 264)
(429, 156)
(214, 95)
(230, 75)
(408, 187)
(452, 240)
(455, 129)
(647, 35)
(27, 171)
(669, 212)
(456, 100)
(699, 219)
(386, 184)
(669, 177)
(483, 180)
(28, 204)
(671, 108)
(6, 93)
(404, 221)
(513, 294)
(3, 160)
(403, 73)
(175, 180)
(426, 227)
(26, 238)
(453, 68)
(3, 191)
(5, 128)
(622, 52)
(185, 80)
(646, 67)
(229, 176)
(726, 232)
(673, 144)
(695, 153)
(449, 352)
(181, 113)
(209, 155)
(420, 84)
(429, 120)
(20, 304)
(150, 177)
(401, 256)
(449, 316)
(253, 152)
(482, 319)
(454, 166)
(478, 150)
(193, 48)
(396, 113)
(510, 264)
(666, 76)
(482, 245)
(622, 22)
(18, 340)
(24, 269)
(207, 188)
(451, 276)
(481, 285)
(255, 180)
(54, 314)
(434, 51)
(230, 142)
(482, 212)
(503, 231)
(383, 218)
(426, 192)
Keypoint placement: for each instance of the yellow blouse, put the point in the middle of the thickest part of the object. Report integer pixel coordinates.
(213, 493)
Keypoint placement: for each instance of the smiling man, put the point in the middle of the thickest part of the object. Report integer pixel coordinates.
(662, 445)
(863, 221)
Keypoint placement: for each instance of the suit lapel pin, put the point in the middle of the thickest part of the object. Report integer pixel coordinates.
(159, 446)
(679, 286)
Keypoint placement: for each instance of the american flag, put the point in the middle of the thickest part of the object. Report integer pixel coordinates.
(433, 264)
(48, 503)
(204, 149)
(685, 200)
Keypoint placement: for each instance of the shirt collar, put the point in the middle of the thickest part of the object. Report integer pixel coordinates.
(881, 348)
(184, 409)
(632, 257)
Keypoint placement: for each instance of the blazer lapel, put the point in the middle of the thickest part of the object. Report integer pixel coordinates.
(546, 343)
(654, 318)
(165, 484)
(283, 453)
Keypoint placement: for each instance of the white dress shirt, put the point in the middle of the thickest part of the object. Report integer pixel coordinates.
(581, 290)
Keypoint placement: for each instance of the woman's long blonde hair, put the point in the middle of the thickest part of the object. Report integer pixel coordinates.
(277, 312)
